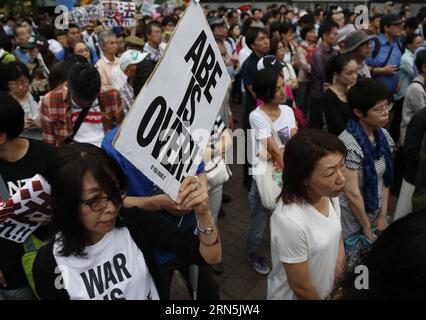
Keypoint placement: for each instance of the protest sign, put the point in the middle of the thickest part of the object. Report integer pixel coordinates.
(161, 135)
(119, 14)
(33, 199)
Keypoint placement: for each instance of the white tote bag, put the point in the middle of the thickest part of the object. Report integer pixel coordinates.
(269, 173)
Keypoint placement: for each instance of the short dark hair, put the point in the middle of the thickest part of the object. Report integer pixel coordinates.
(230, 13)
(168, 19)
(46, 30)
(65, 172)
(256, 9)
(409, 39)
(326, 27)
(12, 72)
(420, 60)
(59, 72)
(305, 30)
(12, 116)
(286, 27)
(143, 72)
(275, 26)
(84, 81)
(395, 264)
(307, 19)
(252, 34)
(411, 23)
(366, 93)
(148, 27)
(301, 154)
(72, 26)
(265, 84)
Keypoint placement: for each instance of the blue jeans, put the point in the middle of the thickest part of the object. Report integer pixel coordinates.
(258, 218)
(25, 293)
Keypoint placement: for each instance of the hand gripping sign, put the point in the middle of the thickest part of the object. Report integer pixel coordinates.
(33, 199)
(168, 126)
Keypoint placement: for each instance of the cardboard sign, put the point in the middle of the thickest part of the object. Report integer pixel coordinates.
(32, 199)
(167, 129)
(119, 14)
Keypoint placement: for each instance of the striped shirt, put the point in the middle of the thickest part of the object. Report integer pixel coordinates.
(354, 160)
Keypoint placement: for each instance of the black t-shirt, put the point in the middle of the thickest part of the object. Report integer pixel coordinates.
(14, 175)
(337, 113)
(248, 71)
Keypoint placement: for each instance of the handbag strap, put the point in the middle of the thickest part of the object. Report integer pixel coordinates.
(274, 133)
(78, 124)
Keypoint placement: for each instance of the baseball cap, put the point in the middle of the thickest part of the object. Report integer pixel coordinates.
(270, 62)
(390, 19)
(215, 21)
(389, 3)
(35, 41)
(131, 57)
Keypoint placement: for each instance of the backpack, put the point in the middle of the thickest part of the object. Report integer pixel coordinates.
(31, 246)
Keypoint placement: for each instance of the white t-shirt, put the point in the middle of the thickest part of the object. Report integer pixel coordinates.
(299, 234)
(261, 129)
(114, 268)
(91, 130)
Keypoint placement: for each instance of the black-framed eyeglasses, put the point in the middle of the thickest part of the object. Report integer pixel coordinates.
(100, 203)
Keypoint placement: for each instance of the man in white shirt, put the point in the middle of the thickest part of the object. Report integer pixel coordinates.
(154, 37)
(108, 43)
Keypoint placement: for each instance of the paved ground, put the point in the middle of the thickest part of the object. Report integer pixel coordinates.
(239, 280)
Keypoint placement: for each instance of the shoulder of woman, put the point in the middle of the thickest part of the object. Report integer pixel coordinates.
(388, 137)
(350, 142)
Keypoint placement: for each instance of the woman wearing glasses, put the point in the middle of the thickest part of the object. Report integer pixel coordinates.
(16, 81)
(364, 203)
(100, 249)
(82, 49)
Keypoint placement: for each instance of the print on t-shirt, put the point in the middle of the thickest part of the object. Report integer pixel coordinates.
(284, 135)
(113, 269)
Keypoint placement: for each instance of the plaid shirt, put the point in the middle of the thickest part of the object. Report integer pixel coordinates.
(127, 96)
(56, 123)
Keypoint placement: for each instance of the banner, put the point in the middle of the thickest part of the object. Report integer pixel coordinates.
(168, 127)
(119, 14)
(33, 199)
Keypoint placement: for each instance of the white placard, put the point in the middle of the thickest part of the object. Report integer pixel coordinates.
(181, 101)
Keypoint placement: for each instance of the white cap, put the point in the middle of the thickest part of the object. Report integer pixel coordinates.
(131, 57)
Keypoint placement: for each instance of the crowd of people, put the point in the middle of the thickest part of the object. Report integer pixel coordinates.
(335, 110)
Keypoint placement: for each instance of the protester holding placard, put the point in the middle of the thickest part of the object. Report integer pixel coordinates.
(144, 194)
(20, 159)
(93, 228)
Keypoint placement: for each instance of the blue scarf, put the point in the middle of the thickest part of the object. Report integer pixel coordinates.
(371, 154)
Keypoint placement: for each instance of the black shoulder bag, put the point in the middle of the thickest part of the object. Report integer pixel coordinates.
(77, 124)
